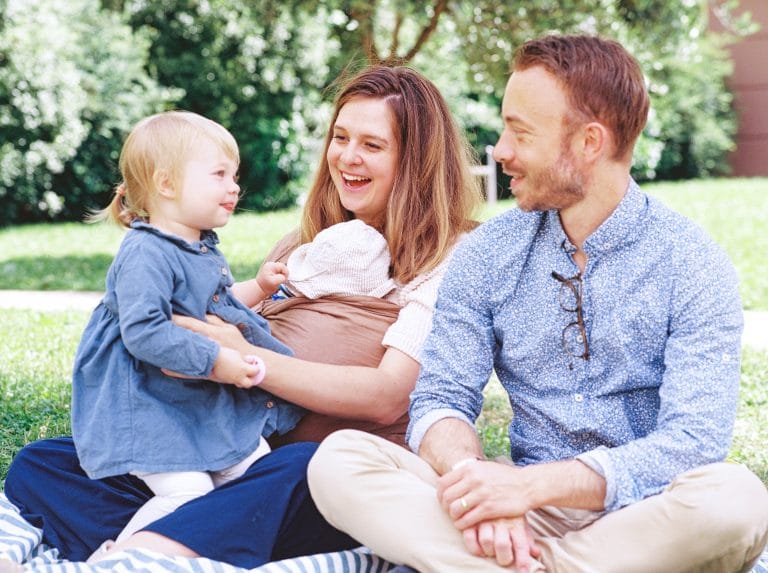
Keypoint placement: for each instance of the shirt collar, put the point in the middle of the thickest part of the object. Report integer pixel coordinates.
(208, 238)
(615, 230)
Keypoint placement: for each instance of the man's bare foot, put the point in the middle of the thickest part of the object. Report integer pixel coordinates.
(8, 566)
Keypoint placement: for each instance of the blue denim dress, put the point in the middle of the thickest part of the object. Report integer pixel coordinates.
(127, 416)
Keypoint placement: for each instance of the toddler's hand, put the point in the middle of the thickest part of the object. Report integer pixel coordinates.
(271, 275)
(259, 363)
(233, 368)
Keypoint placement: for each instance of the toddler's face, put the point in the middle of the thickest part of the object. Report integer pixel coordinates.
(209, 190)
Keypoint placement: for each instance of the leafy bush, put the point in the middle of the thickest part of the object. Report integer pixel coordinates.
(692, 122)
(253, 66)
(71, 82)
(74, 78)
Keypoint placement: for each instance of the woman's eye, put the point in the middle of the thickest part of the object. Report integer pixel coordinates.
(339, 138)
(374, 146)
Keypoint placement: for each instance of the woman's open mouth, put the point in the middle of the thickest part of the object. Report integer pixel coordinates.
(354, 181)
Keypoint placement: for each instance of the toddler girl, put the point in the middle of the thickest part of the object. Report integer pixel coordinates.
(182, 437)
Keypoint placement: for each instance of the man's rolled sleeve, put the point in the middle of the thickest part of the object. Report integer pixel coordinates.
(419, 429)
(457, 359)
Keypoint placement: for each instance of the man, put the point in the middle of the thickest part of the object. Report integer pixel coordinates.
(614, 325)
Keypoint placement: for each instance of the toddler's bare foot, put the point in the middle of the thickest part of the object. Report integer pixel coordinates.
(102, 552)
(8, 566)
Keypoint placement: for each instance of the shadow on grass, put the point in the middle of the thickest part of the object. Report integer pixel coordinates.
(78, 273)
(55, 273)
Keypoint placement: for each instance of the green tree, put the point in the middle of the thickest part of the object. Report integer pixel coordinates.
(465, 46)
(262, 69)
(71, 81)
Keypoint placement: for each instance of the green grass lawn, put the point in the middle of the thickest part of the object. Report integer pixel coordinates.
(75, 256)
(750, 433)
(37, 349)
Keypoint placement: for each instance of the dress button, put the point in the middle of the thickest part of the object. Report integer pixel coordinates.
(578, 397)
(580, 338)
(215, 298)
(203, 249)
(270, 404)
(224, 270)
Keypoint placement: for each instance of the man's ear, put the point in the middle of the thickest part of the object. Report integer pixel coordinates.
(596, 141)
(164, 184)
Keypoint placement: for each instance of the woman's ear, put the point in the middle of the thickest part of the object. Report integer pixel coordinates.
(164, 184)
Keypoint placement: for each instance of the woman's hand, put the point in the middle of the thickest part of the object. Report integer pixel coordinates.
(216, 329)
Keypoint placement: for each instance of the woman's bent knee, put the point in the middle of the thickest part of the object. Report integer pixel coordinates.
(34, 461)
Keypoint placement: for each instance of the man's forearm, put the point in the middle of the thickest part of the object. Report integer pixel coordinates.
(568, 483)
(449, 441)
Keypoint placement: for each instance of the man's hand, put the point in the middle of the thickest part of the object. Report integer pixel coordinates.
(509, 540)
(482, 491)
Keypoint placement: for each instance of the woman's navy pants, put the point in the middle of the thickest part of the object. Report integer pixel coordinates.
(265, 515)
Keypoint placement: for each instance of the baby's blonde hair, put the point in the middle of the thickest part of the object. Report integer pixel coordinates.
(156, 149)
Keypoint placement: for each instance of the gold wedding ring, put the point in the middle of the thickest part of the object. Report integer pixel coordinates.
(463, 502)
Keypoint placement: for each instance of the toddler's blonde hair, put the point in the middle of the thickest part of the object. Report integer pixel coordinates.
(157, 149)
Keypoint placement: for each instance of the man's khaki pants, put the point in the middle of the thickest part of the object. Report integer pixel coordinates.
(710, 519)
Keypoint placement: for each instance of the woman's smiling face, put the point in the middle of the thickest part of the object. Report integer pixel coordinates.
(362, 158)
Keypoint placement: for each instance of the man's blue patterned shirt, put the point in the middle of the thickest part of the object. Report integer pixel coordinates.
(663, 318)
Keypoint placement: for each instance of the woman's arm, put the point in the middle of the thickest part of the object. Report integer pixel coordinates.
(377, 394)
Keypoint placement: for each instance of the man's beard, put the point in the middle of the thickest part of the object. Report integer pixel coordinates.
(556, 187)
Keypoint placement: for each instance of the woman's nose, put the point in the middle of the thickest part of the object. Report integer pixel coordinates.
(350, 155)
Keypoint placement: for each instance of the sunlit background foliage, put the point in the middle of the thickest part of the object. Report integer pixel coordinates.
(76, 74)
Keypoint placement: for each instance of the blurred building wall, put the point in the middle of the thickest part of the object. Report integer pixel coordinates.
(749, 84)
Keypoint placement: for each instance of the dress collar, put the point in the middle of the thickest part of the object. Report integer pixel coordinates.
(208, 238)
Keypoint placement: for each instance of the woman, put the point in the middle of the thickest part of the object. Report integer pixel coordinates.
(395, 160)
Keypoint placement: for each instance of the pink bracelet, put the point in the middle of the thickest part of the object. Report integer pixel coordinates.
(262, 370)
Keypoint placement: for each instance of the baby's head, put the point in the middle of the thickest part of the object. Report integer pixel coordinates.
(155, 156)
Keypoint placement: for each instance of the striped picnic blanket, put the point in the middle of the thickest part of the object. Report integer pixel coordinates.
(21, 542)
